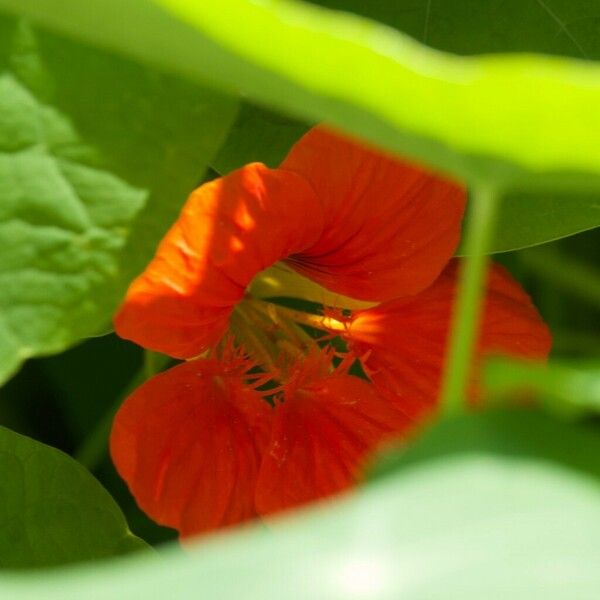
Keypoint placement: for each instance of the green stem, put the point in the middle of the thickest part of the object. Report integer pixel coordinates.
(93, 449)
(469, 299)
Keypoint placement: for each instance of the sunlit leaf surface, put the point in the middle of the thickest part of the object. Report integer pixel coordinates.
(87, 142)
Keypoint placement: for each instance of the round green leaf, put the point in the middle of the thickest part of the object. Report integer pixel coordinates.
(97, 156)
(52, 511)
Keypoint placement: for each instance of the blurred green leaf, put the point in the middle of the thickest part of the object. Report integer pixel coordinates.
(257, 135)
(86, 142)
(521, 434)
(528, 218)
(52, 510)
(497, 519)
(489, 116)
(565, 27)
(570, 387)
(336, 56)
(502, 117)
(575, 277)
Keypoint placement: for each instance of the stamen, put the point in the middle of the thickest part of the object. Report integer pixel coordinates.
(325, 322)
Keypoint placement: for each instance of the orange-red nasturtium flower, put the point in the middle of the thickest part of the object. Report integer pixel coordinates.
(264, 420)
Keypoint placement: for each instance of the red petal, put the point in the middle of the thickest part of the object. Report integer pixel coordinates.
(185, 443)
(321, 436)
(404, 342)
(390, 226)
(228, 231)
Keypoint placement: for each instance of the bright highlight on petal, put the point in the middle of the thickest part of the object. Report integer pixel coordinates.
(199, 445)
(404, 342)
(229, 230)
(354, 220)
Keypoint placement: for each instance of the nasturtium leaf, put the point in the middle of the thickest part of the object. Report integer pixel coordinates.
(564, 27)
(62, 223)
(96, 157)
(526, 217)
(354, 62)
(569, 387)
(506, 116)
(257, 135)
(52, 511)
(521, 434)
(498, 520)
(529, 218)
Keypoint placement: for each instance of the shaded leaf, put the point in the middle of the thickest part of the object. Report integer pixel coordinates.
(257, 135)
(52, 511)
(569, 387)
(563, 27)
(517, 434)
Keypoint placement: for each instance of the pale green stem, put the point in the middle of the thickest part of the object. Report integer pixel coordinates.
(468, 305)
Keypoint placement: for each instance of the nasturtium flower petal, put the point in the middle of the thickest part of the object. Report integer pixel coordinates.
(187, 442)
(355, 220)
(198, 445)
(403, 342)
(390, 225)
(322, 434)
(229, 230)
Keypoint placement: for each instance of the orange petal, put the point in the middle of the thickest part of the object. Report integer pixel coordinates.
(404, 342)
(321, 436)
(390, 225)
(186, 444)
(228, 231)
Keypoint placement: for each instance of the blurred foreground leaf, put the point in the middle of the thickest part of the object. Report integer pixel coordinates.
(568, 387)
(481, 117)
(505, 118)
(491, 518)
(522, 434)
(52, 511)
(564, 27)
(87, 141)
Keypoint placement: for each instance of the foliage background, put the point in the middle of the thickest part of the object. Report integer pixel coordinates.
(160, 121)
